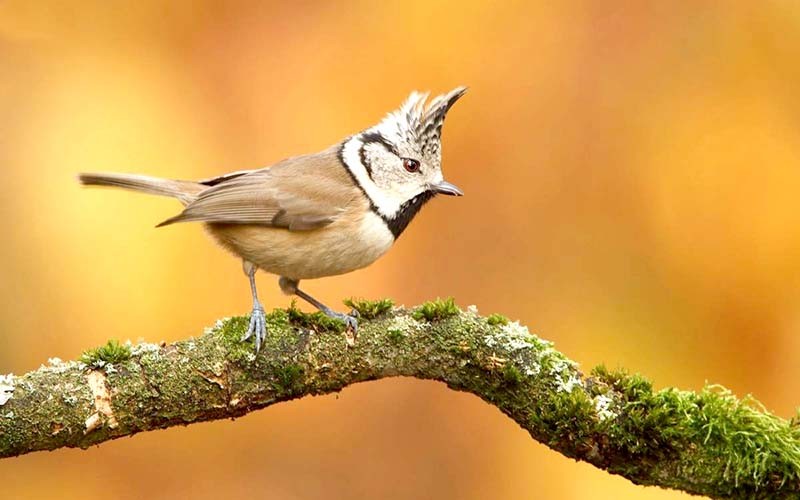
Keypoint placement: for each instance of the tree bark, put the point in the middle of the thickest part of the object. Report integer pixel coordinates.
(708, 443)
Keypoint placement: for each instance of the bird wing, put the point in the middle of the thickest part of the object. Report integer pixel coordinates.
(298, 194)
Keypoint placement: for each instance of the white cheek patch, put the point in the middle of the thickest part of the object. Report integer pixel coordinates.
(375, 234)
(385, 203)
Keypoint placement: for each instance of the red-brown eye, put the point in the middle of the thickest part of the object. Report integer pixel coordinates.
(411, 165)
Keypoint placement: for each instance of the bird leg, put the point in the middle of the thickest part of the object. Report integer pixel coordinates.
(258, 318)
(289, 287)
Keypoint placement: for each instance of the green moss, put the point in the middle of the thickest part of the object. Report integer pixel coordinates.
(277, 321)
(396, 335)
(370, 309)
(232, 329)
(436, 310)
(511, 374)
(288, 377)
(112, 352)
(230, 332)
(278, 318)
(496, 319)
(601, 372)
(567, 421)
(754, 441)
(316, 321)
(658, 424)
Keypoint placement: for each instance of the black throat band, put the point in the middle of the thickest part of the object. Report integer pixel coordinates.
(406, 213)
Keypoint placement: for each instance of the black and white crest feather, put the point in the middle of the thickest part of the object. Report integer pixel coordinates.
(418, 123)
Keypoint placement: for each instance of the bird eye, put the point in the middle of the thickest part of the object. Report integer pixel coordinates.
(411, 165)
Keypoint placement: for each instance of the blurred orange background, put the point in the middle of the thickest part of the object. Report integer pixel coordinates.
(632, 185)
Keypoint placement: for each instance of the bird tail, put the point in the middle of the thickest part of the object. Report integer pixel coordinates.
(184, 191)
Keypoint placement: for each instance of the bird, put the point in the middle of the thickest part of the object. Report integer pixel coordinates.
(321, 214)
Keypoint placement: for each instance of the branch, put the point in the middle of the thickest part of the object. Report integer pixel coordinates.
(704, 443)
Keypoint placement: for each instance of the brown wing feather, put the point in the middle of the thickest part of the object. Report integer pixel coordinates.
(213, 181)
(298, 194)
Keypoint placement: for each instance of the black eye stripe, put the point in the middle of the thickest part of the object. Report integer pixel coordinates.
(362, 154)
(410, 164)
(377, 138)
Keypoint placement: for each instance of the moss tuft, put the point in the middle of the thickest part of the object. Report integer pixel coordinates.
(568, 421)
(755, 442)
(632, 386)
(370, 309)
(396, 335)
(288, 377)
(232, 329)
(657, 424)
(316, 321)
(436, 310)
(511, 374)
(277, 318)
(113, 352)
(496, 320)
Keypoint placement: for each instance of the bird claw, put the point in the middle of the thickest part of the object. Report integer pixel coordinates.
(349, 320)
(351, 331)
(257, 327)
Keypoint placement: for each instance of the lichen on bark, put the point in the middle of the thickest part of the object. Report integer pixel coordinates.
(705, 443)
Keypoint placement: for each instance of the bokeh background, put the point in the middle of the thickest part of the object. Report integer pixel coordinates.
(632, 178)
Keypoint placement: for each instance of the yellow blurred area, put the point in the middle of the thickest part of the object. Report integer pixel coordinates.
(631, 177)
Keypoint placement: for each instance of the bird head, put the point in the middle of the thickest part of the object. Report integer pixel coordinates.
(398, 162)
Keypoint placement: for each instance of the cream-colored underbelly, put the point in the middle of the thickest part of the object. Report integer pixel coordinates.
(340, 248)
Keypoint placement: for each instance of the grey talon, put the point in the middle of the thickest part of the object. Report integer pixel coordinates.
(258, 318)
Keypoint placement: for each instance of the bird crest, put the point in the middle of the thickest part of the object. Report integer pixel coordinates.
(418, 122)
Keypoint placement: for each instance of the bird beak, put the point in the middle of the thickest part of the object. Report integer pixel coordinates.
(445, 187)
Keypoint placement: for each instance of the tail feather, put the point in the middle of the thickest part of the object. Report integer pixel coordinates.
(185, 191)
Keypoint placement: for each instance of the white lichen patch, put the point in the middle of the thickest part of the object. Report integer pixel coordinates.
(532, 370)
(405, 324)
(70, 399)
(57, 366)
(602, 405)
(565, 375)
(569, 384)
(101, 364)
(97, 364)
(472, 309)
(144, 348)
(511, 337)
(6, 388)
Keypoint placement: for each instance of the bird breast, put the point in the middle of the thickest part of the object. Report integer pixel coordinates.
(349, 243)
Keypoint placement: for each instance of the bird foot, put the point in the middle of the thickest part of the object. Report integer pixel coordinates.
(258, 326)
(349, 319)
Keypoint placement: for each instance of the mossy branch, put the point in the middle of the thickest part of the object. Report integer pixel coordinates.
(707, 443)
